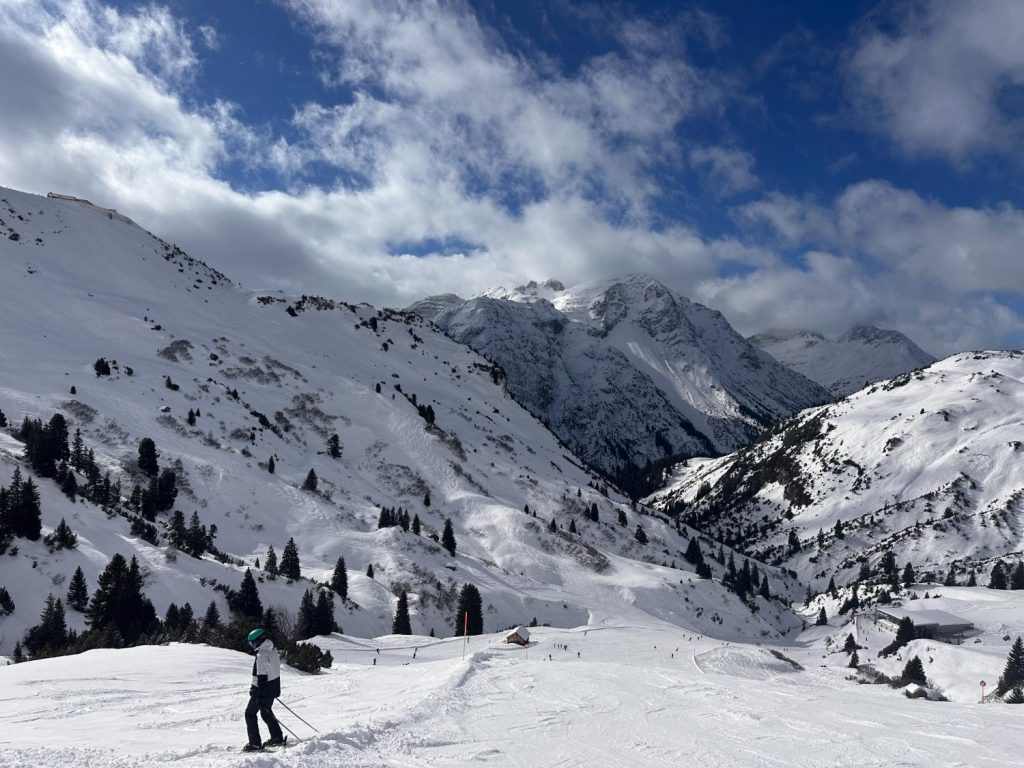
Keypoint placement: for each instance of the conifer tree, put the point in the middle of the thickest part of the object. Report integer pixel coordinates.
(119, 603)
(246, 602)
(822, 618)
(369, 571)
(416, 525)
(334, 447)
(401, 624)
(997, 579)
(763, 591)
(913, 672)
(909, 577)
(1017, 579)
(553, 525)
(905, 632)
(211, 619)
(148, 457)
(310, 483)
(794, 541)
(621, 518)
(270, 563)
(950, 580)
(640, 535)
(693, 554)
(1013, 672)
(854, 661)
(572, 526)
(324, 614)
(51, 633)
(831, 588)
(850, 645)
(448, 537)
(27, 518)
(469, 602)
(61, 537)
(972, 579)
(6, 603)
(305, 621)
(339, 579)
(290, 567)
(78, 591)
(270, 465)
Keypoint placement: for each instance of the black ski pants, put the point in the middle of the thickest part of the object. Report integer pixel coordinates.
(262, 703)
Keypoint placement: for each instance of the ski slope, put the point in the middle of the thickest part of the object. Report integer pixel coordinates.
(642, 695)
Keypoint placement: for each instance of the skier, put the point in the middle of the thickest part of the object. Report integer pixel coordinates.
(266, 686)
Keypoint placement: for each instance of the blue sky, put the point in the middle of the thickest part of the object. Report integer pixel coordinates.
(799, 164)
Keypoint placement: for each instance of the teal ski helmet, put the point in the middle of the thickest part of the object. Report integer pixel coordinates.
(256, 636)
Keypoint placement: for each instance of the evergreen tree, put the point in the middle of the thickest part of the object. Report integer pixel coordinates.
(401, 624)
(369, 571)
(865, 571)
(838, 531)
(191, 418)
(290, 567)
(310, 483)
(913, 672)
(1016, 696)
(6, 603)
(426, 499)
(469, 602)
(305, 621)
(640, 535)
(553, 525)
(69, 485)
(78, 591)
(339, 579)
(905, 632)
(270, 465)
(950, 580)
(764, 591)
(270, 563)
(1017, 579)
(324, 614)
(831, 588)
(416, 525)
(909, 577)
(176, 531)
(171, 617)
(334, 447)
(972, 579)
(77, 450)
(997, 579)
(51, 633)
(119, 604)
(166, 490)
(448, 537)
(850, 645)
(246, 602)
(693, 554)
(27, 518)
(854, 661)
(61, 537)
(572, 526)
(822, 618)
(621, 518)
(148, 457)
(272, 627)
(794, 541)
(211, 620)
(1013, 672)
(17, 655)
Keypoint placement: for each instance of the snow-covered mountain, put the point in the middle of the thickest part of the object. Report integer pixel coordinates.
(424, 423)
(861, 356)
(928, 465)
(626, 371)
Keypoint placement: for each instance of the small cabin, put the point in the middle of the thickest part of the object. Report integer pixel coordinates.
(519, 636)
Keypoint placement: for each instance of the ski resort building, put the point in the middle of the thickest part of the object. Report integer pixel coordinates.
(519, 636)
(930, 623)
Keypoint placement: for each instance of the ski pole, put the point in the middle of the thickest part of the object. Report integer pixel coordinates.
(297, 739)
(293, 712)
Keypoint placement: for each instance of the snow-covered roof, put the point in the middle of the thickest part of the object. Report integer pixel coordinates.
(523, 632)
(927, 618)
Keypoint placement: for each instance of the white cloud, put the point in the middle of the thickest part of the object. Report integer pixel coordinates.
(211, 37)
(729, 171)
(936, 84)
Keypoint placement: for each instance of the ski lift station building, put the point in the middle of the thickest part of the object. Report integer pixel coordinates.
(519, 636)
(937, 624)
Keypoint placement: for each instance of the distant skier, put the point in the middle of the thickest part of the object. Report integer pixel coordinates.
(266, 686)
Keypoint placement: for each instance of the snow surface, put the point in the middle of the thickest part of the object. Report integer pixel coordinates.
(861, 356)
(637, 695)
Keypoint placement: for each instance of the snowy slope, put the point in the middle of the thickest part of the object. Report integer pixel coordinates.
(928, 465)
(643, 695)
(861, 356)
(78, 284)
(626, 371)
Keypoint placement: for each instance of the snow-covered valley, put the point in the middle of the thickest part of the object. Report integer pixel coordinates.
(645, 654)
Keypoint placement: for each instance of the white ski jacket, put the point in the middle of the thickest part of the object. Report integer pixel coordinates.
(266, 670)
